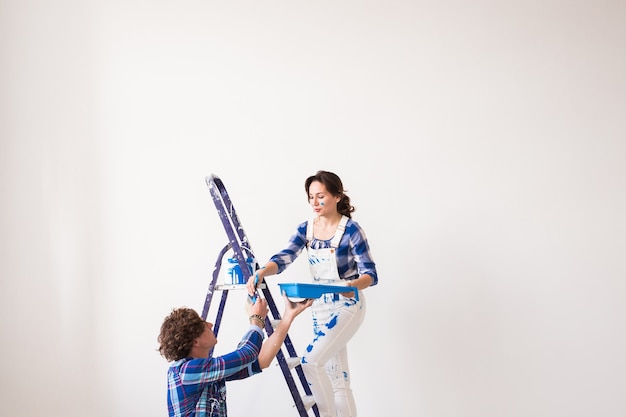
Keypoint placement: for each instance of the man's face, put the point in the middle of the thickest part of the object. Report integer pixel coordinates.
(207, 339)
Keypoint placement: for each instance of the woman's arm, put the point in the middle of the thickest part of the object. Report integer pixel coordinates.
(280, 261)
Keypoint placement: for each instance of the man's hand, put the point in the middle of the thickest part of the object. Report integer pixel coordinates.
(293, 308)
(259, 307)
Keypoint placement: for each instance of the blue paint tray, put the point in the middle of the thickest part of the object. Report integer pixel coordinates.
(299, 290)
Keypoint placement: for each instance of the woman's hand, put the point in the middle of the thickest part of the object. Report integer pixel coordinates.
(360, 283)
(259, 275)
(253, 282)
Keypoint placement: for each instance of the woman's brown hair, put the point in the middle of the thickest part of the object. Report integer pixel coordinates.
(333, 184)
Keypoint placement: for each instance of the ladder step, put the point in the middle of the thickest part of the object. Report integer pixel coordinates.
(293, 362)
(308, 401)
(226, 287)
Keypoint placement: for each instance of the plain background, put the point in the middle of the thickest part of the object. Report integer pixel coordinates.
(483, 144)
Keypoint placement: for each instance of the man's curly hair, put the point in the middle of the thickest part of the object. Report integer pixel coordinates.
(178, 332)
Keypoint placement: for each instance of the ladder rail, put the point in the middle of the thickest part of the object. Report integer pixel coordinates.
(213, 284)
(232, 225)
(283, 363)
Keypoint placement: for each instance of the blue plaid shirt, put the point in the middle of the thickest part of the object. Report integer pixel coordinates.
(197, 386)
(353, 254)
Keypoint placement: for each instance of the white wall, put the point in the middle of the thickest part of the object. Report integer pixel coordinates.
(483, 144)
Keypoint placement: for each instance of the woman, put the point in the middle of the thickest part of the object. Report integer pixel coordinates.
(339, 254)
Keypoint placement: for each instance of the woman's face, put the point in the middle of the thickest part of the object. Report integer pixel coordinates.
(321, 200)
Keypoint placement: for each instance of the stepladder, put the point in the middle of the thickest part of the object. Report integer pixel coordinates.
(243, 262)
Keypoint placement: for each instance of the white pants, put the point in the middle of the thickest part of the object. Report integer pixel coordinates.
(325, 363)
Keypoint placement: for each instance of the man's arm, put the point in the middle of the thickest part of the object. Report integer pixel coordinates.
(273, 344)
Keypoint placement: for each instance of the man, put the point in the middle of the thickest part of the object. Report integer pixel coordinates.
(196, 381)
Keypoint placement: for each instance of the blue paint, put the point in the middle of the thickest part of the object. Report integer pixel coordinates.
(349, 302)
(235, 274)
(316, 326)
(318, 335)
(314, 260)
(332, 323)
(321, 203)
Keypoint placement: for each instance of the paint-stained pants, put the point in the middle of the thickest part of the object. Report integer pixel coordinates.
(325, 362)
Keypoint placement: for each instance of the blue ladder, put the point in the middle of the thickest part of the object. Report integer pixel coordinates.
(238, 242)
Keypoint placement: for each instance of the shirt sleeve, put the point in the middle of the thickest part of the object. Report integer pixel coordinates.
(354, 257)
(252, 368)
(198, 371)
(297, 242)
